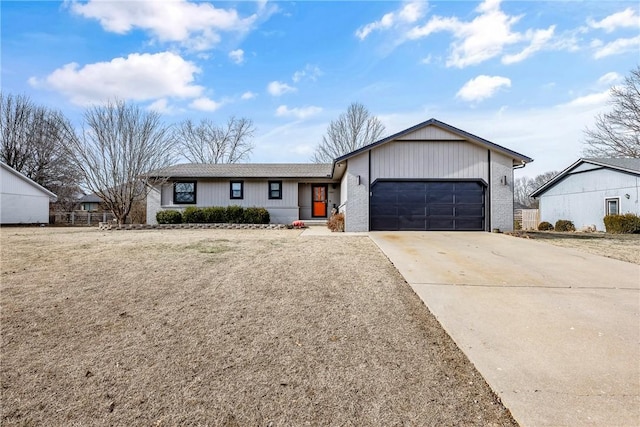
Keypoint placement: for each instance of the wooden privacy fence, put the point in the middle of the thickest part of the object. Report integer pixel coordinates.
(526, 219)
(80, 218)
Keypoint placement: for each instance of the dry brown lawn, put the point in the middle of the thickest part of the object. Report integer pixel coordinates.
(222, 327)
(624, 247)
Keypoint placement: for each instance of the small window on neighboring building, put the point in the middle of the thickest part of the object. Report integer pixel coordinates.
(275, 189)
(184, 193)
(612, 206)
(237, 190)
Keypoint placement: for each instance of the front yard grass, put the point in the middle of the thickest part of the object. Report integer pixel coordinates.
(222, 327)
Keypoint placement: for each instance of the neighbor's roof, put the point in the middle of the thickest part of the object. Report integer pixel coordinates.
(90, 198)
(433, 122)
(623, 165)
(8, 168)
(246, 170)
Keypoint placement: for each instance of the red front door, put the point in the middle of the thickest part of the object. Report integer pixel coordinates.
(319, 203)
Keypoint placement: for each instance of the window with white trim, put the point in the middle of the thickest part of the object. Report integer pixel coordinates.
(612, 206)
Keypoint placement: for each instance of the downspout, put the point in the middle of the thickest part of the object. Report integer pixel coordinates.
(487, 225)
(369, 191)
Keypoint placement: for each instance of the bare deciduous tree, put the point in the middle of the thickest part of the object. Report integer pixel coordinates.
(524, 186)
(33, 141)
(617, 133)
(207, 142)
(118, 146)
(352, 130)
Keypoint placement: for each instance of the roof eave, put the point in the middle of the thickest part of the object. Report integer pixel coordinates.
(433, 122)
(52, 197)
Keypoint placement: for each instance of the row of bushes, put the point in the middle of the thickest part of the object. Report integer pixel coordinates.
(561, 225)
(615, 224)
(215, 215)
(622, 224)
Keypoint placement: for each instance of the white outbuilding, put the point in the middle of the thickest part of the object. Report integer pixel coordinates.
(22, 200)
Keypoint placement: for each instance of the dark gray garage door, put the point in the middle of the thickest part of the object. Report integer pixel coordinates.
(427, 205)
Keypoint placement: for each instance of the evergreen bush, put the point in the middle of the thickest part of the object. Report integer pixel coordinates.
(169, 217)
(545, 226)
(564, 225)
(622, 224)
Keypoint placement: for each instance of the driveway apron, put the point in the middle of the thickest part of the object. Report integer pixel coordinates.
(554, 331)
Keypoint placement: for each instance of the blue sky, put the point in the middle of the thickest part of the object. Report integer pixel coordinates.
(528, 75)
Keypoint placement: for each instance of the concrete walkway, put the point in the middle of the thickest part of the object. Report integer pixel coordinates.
(554, 331)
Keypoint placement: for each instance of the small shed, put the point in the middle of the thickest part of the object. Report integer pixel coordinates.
(22, 200)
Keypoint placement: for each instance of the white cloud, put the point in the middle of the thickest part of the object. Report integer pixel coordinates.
(593, 99)
(299, 113)
(276, 88)
(625, 19)
(237, 56)
(205, 104)
(482, 87)
(161, 106)
(194, 25)
(609, 78)
(539, 39)
(310, 72)
(407, 14)
(137, 77)
(248, 95)
(483, 38)
(616, 47)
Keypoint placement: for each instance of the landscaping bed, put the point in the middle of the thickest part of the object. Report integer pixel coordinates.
(222, 327)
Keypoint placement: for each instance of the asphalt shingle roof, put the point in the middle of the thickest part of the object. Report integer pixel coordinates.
(625, 165)
(246, 170)
(629, 164)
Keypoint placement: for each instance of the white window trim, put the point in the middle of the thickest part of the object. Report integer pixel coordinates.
(606, 205)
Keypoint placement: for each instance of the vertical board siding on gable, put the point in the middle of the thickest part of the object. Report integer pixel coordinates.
(429, 159)
(430, 133)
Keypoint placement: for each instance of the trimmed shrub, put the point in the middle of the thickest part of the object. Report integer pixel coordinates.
(564, 225)
(214, 215)
(169, 217)
(336, 222)
(256, 216)
(193, 215)
(622, 224)
(545, 226)
(234, 215)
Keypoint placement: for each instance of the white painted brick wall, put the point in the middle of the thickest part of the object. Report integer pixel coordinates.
(153, 205)
(501, 195)
(357, 207)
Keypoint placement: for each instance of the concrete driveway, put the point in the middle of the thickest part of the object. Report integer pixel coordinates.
(554, 331)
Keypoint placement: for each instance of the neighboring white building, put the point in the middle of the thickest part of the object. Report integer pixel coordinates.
(22, 200)
(590, 189)
(431, 176)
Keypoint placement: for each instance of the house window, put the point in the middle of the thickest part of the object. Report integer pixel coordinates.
(237, 189)
(184, 193)
(612, 206)
(275, 189)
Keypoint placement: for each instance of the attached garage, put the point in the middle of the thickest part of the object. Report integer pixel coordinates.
(431, 176)
(427, 205)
